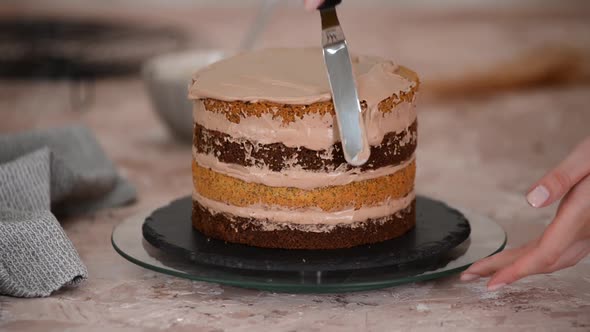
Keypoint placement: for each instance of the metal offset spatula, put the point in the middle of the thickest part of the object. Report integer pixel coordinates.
(344, 95)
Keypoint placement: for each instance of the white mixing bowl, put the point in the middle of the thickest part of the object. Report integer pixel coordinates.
(167, 78)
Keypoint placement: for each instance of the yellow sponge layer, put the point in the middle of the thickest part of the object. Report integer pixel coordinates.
(223, 188)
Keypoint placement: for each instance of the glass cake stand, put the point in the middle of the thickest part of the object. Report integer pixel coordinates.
(486, 238)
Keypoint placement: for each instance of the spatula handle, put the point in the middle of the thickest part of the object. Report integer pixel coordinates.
(329, 4)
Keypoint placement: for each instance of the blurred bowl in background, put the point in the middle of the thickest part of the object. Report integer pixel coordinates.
(167, 78)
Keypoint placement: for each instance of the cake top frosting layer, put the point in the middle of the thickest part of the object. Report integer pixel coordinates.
(294, 76)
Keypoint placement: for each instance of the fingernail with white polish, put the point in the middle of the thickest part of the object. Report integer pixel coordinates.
(538, 196)
(495, 287)
(312, 4)
(469, 277)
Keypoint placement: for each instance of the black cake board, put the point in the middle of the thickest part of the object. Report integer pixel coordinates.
(439, 228)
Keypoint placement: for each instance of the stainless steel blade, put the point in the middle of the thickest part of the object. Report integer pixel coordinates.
(344, 94)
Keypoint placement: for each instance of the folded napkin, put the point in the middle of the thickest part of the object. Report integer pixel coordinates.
(63, 170)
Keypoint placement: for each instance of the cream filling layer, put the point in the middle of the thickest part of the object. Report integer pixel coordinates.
(309, 215)
(295, 176)
(313, 131)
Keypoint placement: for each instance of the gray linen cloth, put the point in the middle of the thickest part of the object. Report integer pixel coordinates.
(63, 170)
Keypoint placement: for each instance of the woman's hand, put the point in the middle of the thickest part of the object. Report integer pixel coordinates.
(566, 240)
(312, 4)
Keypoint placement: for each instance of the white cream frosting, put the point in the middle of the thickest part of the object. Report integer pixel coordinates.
(307, 216)
(295, 176)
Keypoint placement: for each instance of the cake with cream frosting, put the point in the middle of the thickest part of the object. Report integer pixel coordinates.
(268, 168)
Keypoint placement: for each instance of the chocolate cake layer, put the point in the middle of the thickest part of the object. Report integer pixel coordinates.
(263, 233)
(227, 189)
(393, 150)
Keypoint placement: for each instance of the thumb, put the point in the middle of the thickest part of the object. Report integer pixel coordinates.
(312, 4)
(561, 179)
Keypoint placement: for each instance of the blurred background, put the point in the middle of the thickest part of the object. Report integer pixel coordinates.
(502, 78)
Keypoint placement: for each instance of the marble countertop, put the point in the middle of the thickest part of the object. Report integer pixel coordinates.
(479, 152)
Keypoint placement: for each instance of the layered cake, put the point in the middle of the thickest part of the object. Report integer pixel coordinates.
(268, 168)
